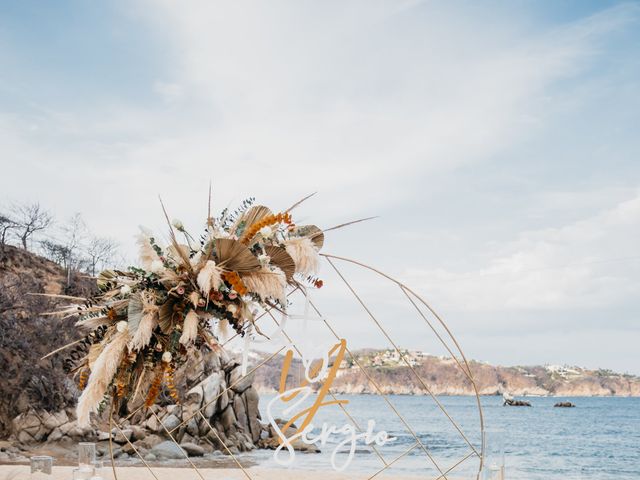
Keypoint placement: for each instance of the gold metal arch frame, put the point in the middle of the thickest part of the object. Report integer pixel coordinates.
(431, 320)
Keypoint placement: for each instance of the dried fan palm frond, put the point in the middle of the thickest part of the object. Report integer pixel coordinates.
(267, 283)
(167, 315)
(103, 371)
(234, 256)
(209, 278)
(304, 253)
(281, 259)
(190, 328)
(251, 216)
(143, 317)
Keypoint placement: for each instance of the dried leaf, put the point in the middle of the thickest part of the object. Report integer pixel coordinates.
(234, 256)
(281, 259)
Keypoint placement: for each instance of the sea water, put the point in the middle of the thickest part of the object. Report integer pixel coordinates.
(599, 439)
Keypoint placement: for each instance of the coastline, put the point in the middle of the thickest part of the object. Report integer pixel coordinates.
(269, 391)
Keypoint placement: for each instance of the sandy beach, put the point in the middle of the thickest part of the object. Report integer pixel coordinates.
(21, 472)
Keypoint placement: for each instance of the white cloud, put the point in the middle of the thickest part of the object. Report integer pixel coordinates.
(592, 263)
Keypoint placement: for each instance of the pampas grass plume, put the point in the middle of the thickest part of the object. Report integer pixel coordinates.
(102, 373)
(209, 277)
(304, 254)
(190, 328)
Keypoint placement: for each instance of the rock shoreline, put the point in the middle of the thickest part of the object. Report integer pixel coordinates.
(219, 415)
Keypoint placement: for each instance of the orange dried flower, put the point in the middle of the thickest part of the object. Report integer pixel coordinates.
(170, 382)
(265, 222)
(82, 380)
(154, 389)
(236, 282)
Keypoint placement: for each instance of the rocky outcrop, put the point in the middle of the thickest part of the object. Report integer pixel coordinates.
(219, 412)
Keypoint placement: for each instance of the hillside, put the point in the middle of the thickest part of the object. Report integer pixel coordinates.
(444, 377)
(27, 335)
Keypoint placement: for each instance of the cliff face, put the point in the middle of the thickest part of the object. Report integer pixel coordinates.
(443, 377)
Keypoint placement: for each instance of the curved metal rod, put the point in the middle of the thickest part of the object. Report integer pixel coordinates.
(442, 323)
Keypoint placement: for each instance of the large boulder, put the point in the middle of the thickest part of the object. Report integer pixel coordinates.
(168, 450)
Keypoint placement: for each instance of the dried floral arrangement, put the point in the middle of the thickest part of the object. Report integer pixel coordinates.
(143, 321)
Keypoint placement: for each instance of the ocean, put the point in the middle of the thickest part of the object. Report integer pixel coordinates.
(599, 439)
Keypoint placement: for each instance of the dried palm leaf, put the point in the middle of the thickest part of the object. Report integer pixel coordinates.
(143, 316)
(251, 216)
(281, 259)
(167, 315)
(234, 256)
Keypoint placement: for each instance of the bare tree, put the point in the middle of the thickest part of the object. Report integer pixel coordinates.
(56, 252)
(30, 218)
(75, 232)
(6, 225)
(100, 251)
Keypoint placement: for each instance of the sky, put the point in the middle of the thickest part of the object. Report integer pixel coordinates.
(496, 142)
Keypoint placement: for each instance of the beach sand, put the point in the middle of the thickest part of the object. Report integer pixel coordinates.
(21, 472)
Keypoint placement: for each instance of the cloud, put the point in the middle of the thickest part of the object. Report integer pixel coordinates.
(588, 264)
